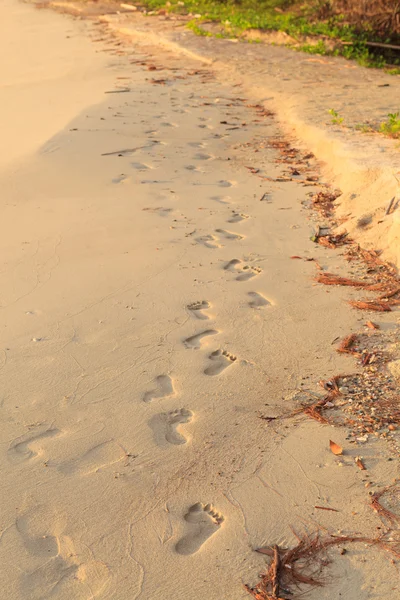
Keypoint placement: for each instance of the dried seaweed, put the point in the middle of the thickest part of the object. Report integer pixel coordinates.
(390, 293)
(333, 240)
(373, 261)
(314, 411)
(374, 305)
(387, 515)
(331, 279)
(332, 385)
(324, 202)
(303, 564)
(346, 345)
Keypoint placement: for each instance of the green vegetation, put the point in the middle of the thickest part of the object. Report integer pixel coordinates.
(194, 26)
(391, 126)
(336, 119)
(365, 128)
(330, 32)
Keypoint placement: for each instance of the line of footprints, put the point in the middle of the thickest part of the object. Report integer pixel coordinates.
(166, 426)
(203, 520)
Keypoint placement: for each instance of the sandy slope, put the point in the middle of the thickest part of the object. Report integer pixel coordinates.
(150, 313)
(301, 89)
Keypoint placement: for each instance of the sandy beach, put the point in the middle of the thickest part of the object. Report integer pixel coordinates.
(151, 314)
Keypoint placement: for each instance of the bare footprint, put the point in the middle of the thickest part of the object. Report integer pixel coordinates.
(197, 309)
(160, 210)
(221, 360)
(166, 426)
(203, 156)
(96, 459)
(210, 241)
(225, 183)
(163, 389)
(154, 181)
(233, 265)
(30, 445)
(195, 341)
(222, 199)
(194, 169)
(141, 166)
(37, 535)
(245, 272)
(258, 300)
(121, 179)
(197, 144)
(237, 217)
(229, 235)
(59, 571)
(204, 521)
(248, 272)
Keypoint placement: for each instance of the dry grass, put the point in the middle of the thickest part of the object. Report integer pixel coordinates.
(382, 15)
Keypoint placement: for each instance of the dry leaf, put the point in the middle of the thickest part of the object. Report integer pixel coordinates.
(335, 448)
(360, 463)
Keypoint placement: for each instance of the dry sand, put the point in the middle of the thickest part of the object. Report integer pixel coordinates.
(150, 314)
